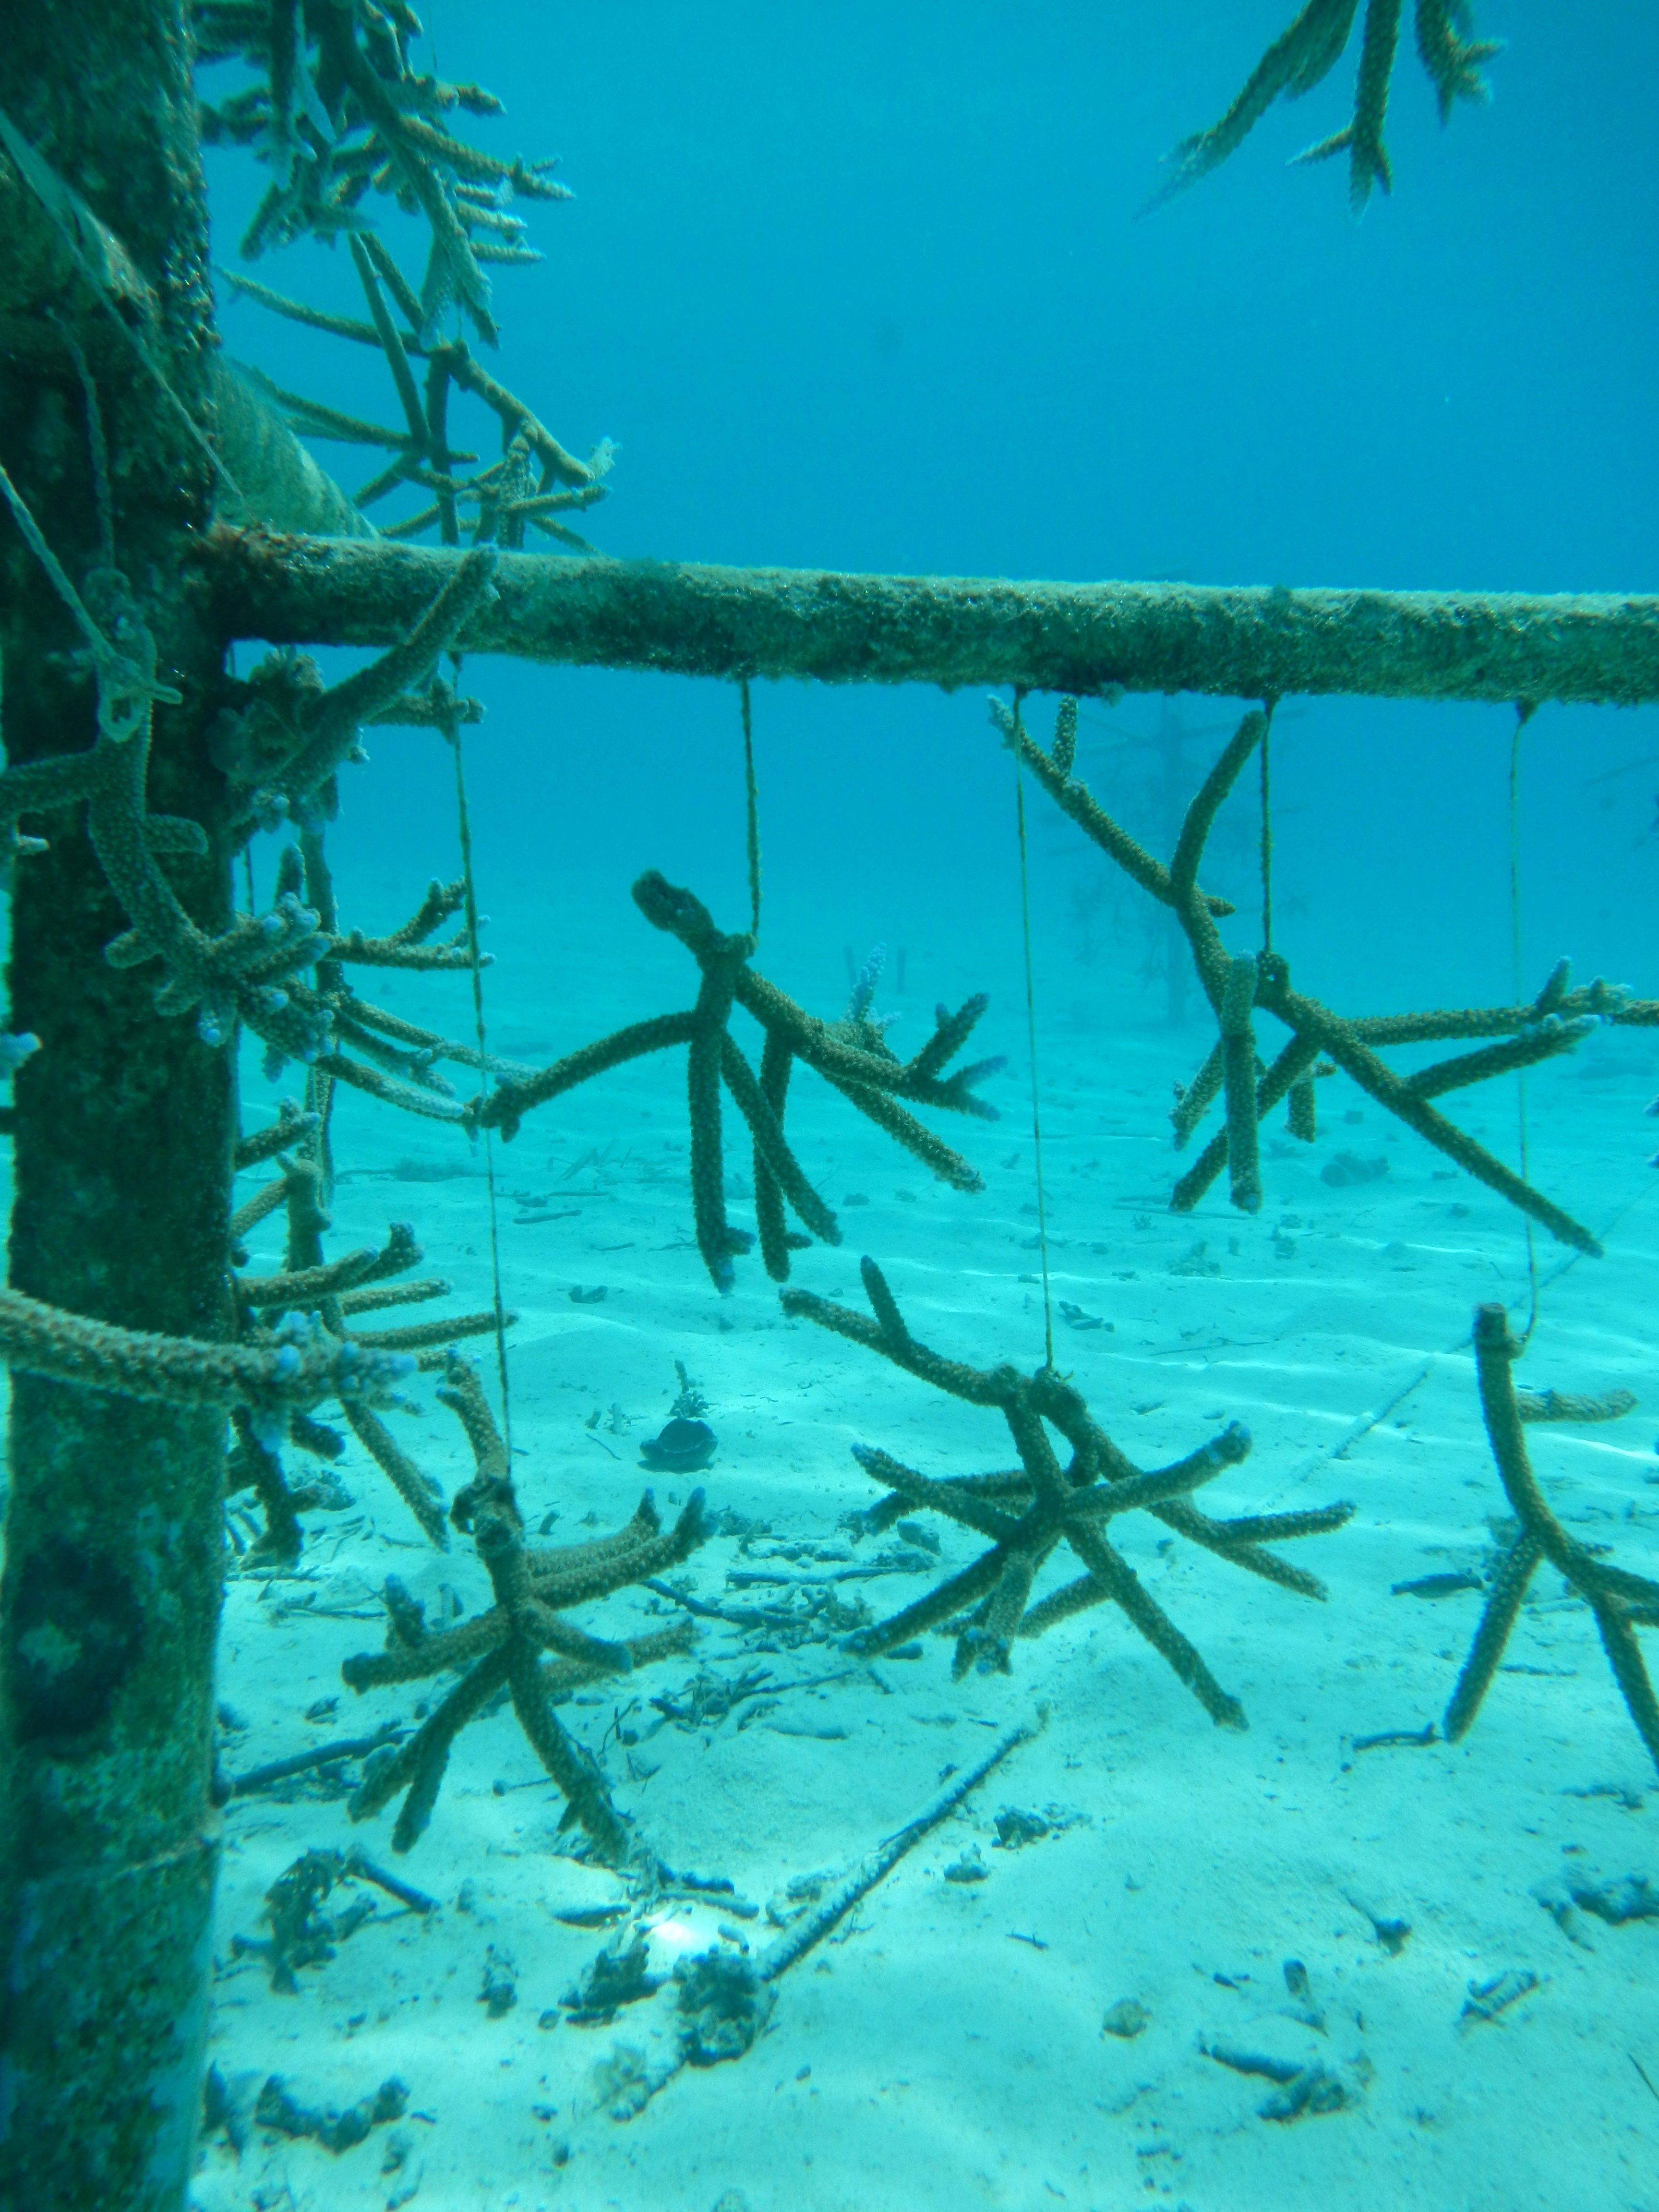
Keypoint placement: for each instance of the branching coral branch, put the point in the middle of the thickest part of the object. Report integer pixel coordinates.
(509, 495)
(523, 1644)
(1305, 53)
(850, 1054)
(1027, 1513)
(237, 973)
(295, 1367)
(1553, 1023)
(282, 748)
(335, 111)
(283, 740)
(332, 1293)
(1619, 1601)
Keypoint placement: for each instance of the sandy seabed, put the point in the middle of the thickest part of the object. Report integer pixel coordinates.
(1389, 1914)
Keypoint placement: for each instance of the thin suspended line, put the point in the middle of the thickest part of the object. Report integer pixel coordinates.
(463, 823)
(751, 800)
(1525, 711)
(35, 539)
(1030, 1035)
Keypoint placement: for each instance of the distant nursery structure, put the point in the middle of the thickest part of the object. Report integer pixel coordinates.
(161, 507)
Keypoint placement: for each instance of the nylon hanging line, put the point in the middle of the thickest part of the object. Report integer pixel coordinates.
(751, 800)
(464, 828)
(1031, 1033)
(34, 537)
(1266, 831)
(50, 191)
(1525, 711)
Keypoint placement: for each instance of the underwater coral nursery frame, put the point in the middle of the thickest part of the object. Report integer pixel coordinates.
(692, 619)
(129, 1334)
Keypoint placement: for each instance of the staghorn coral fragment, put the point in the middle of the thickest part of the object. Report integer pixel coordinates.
(1572, 1406)
(538, 477)
(1361, 138)
(1552, 1024)
(523, 1644)
(297, 1370)
(235, 974)
(1195, 1100)
(850, 1054)
(392, 1058)
(334, 108)
(429, 1335)
(1025, 1515)
(1304, 54)
(1238, 1070)
(396, 948)
(307, 1288)
(418, 1490)
(1302, 57)
(1539, 1041)
(1316, 1026)
(332, 1293)
(294, 734)
(1619, 1601)
(412, 1099)
(290, 1127)
(376, 1298)
(1453, 60)
(1054, 773)
(1303, 1119)
(254, 1463)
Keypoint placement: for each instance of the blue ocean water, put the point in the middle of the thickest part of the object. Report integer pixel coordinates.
(865, 288)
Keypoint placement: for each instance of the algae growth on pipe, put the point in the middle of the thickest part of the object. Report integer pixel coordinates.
(691, 618)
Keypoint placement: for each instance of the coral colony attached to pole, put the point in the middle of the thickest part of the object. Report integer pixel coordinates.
(1555, 1021)
(117, 1326)
(247, 973)
(357, 119)
(157, 505)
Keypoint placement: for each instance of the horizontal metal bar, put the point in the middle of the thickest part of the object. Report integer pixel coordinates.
(1254, 642)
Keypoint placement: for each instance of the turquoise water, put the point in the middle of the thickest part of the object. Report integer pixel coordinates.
(865, 288)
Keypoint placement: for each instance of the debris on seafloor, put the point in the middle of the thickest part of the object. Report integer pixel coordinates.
(1449, 1585)
(1348, 1170)
(710, 2005)
(1302, 2090)
(1486, 2000)
(686, 1442)
(679, 1447)
(234, 2108)
(1614, 1902)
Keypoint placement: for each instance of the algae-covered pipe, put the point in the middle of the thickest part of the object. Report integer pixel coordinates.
(693, 619)
(124, 1125)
